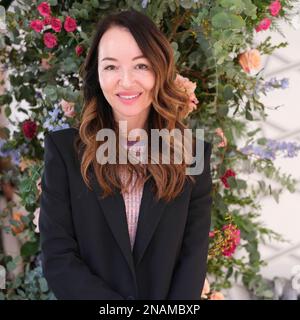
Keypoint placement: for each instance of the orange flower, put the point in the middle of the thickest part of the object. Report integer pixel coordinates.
(16, 216)
(250, 60)
(216, 295)
(220, 133)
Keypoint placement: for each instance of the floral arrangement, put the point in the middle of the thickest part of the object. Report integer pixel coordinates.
(43, 45)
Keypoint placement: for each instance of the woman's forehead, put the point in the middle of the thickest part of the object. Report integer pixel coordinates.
(117, 44)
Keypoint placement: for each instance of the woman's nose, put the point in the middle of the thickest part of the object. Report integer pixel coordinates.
(126, 78)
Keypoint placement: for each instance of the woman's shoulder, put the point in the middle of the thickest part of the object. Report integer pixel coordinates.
(64, 140)
(62, 134)
(62, 137)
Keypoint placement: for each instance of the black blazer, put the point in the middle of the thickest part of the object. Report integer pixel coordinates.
(85, 244)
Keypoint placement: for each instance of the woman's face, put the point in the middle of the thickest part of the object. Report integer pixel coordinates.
(126, 79)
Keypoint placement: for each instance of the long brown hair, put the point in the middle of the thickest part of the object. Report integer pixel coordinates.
(169, 106)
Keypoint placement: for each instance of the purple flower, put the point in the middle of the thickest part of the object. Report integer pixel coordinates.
(271, 148)
(272, 84)
(284, 83)
(55, 121)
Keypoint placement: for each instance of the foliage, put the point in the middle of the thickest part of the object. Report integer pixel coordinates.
(208, 38)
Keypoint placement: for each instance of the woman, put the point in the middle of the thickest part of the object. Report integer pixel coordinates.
(102, 238)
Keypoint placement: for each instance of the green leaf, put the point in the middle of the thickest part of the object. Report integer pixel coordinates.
(29, 249)
(5, 99)
(223, 20)
(241, 184)
(11, 265)
(7, 111)
(232, 182)
(95, 3)
(43, 284)
(249, 115)
(84, 13)
(223, 110)
(236, 6)
(228, 92)
(250, 9)
(262, 141)
(252, 133)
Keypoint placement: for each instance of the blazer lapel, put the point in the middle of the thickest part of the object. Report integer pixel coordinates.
(149, 215)
(114, 209)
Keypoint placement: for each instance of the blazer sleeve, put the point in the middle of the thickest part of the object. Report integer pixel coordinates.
(66, 273)
(190, 270)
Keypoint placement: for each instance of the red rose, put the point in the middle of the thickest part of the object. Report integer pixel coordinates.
(37, 25)
(70, 24)
(56, 24)
(29, 129)
(227, 174)
(263, 25)
(275, 8)
(232, 239)
(50, 40)
(47, 20)
(79, 50)
(44, 9)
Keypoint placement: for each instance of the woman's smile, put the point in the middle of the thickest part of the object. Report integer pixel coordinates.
(129, 100)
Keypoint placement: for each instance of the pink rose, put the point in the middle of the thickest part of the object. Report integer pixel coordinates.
(79, 50)
(70, 24)
(56, 24)
(184, 84)
(37, 25)
(220, 133)
(68, 108)
(44, 9)
(263, 25)
(50, 40)
(274, 8)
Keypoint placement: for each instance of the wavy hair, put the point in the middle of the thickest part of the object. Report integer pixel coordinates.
(169, 107)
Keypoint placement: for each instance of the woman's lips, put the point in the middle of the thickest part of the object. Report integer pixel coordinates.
(129, 101)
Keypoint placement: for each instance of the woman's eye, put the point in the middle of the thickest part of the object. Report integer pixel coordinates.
(107, 68)
(140, 66)
(143, 65)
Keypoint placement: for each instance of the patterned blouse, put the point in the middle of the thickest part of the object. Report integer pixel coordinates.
(133, 197)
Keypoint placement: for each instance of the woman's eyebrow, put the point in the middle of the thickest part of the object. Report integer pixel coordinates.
(114, 59)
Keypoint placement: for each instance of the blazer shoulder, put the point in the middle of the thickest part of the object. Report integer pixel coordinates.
(62, 137)
(64, 141)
